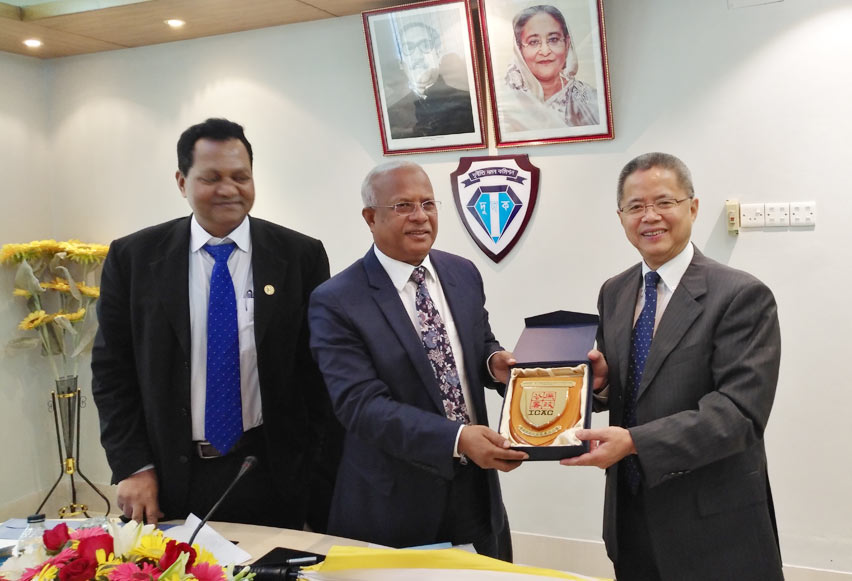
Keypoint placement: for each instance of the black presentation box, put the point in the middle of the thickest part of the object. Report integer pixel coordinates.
(550, 344)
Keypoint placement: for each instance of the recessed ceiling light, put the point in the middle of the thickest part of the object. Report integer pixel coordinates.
(33, 42)
(175, 23)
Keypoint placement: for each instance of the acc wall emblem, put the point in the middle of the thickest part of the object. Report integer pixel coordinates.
(495, 197)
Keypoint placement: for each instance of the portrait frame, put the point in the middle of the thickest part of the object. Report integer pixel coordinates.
(533, 102)
(425, 77)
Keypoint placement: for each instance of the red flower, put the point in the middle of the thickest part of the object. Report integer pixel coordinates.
(55, 538)
(88, 547)
(173, 551)
(78, 570)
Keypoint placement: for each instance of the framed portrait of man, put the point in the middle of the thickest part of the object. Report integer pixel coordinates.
(547, 70)
(424, 73)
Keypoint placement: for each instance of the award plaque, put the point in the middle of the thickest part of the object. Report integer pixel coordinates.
(543, 407)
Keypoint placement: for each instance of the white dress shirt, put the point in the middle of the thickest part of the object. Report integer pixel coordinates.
(200, 268)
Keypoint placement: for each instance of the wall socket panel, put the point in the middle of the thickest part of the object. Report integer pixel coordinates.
(777, 214)
(803, 213)
(752, 216)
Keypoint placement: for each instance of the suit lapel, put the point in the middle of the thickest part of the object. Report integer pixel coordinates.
(387, 299)
(269, 271)
(170, 270)
(682, 311)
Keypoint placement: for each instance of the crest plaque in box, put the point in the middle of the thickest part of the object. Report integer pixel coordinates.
(495, 197)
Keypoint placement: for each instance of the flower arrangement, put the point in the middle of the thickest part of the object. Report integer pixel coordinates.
(56, 279)
(132, 552)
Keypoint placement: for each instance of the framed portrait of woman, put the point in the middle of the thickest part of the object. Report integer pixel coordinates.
(547, 70)
(423, 65)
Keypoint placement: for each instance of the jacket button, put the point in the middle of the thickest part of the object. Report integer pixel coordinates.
(184, 412)
(183, 459)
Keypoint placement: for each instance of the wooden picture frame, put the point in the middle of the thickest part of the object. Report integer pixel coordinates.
(547, 86)
(425, 77)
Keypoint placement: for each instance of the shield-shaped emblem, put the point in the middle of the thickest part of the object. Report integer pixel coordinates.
(495, 197)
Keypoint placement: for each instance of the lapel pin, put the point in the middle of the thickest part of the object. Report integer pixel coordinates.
(269, 289)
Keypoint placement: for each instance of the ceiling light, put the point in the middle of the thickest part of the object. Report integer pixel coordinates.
(175, 23)
(33, 42)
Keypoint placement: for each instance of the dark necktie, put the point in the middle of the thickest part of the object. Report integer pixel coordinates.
(223, 416)
(438, 350)
(643, 332)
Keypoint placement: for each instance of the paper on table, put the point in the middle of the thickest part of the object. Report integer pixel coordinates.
(224, 550)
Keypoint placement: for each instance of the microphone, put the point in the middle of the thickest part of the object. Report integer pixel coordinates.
(249, 463)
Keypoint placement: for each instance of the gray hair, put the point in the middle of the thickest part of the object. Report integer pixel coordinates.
(656, 159)
(368, 194)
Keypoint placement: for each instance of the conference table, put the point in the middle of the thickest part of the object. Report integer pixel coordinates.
(259, 540)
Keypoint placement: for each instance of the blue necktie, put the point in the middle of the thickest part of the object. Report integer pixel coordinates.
(643, 332)
(438, 350)
(223, 415)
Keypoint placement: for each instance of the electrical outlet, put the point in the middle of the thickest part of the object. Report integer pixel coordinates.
(777, 214)
(732, 215)
(803, 213)
(752, 216)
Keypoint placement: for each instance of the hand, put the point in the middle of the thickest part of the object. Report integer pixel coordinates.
(488, 449)
(137, 497)
(600, 369)
(607, 446)
(499, 365)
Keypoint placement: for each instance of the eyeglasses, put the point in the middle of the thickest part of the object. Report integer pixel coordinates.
(661, 206)
(553, 42)
(407, 208)
(424, 45)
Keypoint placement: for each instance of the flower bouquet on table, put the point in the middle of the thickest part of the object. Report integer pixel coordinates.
(131, 552)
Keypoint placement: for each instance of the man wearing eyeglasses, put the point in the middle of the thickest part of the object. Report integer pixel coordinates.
(431, 107)
(687, 360)
(403, 341)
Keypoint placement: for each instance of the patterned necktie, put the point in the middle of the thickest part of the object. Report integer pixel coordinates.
(438, 350)
(223, 416)
(643, 332)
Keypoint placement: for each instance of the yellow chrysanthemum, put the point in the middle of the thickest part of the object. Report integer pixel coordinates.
(17, 252)
(202, 555)
(47, 573)
(71, 316)
(34, 319)
(150, 546)
(89, 291)
(57, 284)
(83, 252)
(19, 292)
(46, 246)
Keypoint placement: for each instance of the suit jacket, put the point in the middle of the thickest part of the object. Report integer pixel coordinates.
(702, 409)
(397, 459)
(141, 356)
(444, 111)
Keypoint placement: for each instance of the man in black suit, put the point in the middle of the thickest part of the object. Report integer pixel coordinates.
(431, 107)
(150, 359)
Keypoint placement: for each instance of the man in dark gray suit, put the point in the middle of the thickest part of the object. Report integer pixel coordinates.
(689, 391)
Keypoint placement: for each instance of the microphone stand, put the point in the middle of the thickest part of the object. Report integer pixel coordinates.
(249, 463)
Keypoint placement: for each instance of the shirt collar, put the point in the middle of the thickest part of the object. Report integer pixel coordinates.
(400, 272)
(198, 236)
(673, 270)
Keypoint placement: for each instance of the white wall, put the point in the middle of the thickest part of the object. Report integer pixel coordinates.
(26, 428)
(756, 102)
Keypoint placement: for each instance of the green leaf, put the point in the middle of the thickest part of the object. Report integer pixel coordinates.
(26, 280)
(75, 292)
(89, 328)
(65, 324)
